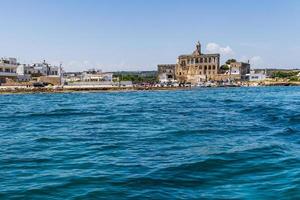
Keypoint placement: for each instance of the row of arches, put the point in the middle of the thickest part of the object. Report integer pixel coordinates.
(202, 60)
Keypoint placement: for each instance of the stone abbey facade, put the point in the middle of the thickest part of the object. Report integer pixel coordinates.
(196, 67)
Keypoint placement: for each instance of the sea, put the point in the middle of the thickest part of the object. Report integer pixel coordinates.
(205, 143)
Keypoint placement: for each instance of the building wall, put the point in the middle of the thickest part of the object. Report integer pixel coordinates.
(166, 73)
(51, 80)
(197, 68)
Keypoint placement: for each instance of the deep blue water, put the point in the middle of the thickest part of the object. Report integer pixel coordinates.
(234, 143)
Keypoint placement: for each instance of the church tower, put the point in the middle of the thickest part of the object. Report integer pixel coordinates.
(198, 49)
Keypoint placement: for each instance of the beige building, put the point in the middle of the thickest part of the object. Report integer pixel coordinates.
(240, 69)
(197, 67)
(194, 68)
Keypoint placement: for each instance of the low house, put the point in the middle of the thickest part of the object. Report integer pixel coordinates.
(166, 73)
(72, 77)
(96, 75)
(240, 70)
(257, 75)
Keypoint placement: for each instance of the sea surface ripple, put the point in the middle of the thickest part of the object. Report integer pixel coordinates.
(214, 143)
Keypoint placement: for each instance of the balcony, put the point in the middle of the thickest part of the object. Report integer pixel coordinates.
(6, 65)
(8, 74)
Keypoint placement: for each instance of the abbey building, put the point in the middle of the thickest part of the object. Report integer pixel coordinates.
(195, 67)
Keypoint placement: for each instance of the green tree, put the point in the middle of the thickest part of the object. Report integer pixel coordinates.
(224, 67)
(281, 74)
(228, 62)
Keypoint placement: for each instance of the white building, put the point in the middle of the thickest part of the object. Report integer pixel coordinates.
(257, 76)
(72, 77)
(96, 75)
(8, 68)
(42, 69)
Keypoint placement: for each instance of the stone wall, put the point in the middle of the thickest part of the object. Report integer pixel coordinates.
(49, 79)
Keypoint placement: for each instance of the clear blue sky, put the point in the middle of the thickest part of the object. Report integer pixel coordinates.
(139, 34)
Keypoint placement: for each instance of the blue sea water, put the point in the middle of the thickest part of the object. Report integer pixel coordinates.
(217, 143)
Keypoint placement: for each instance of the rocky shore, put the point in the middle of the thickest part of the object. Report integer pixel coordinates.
(65, 89)
(21, 90)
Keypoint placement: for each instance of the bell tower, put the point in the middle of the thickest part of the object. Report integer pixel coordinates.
(198, 48)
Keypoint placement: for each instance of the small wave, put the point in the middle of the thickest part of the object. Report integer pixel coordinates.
(59, 114)
(294, 118)
(199, 166)
(286, 132)
(229, 101)
(46, 139)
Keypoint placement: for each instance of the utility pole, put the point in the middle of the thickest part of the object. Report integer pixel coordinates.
(61, 74)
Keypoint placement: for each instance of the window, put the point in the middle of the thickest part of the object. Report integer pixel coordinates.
(201, 60)
(205, 60)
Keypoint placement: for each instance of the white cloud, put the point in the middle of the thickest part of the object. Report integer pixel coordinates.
(216, 48)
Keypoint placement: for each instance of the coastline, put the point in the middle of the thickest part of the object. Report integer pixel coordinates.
(57, 89)
(32, 90)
